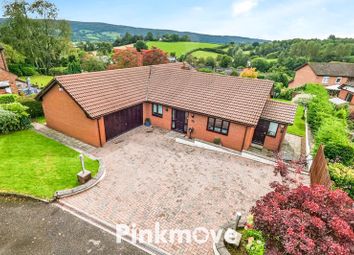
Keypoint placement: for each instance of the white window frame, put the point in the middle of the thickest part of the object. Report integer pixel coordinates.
(8, 90)
(273, 129)
(338, 80)
(325, 79)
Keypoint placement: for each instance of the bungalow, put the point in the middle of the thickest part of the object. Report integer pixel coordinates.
(97, 107)
(8, 80)
(328, 74)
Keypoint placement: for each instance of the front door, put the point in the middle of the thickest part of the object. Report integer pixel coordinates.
(260, 132)
(179, 120)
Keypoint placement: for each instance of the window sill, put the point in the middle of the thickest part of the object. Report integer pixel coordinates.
(218, 132)
(157, 115)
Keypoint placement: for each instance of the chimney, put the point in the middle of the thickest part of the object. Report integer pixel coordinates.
(3, 64)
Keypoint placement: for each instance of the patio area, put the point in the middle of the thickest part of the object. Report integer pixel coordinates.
(150, 178)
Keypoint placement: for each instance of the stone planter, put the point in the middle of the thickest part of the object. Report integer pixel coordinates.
(219, 247)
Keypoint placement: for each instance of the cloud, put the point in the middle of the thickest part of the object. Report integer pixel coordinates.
(241, 7)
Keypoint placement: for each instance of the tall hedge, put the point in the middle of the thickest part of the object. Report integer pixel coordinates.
(343, 177)
(329, 126)
(35, 109)
(10, 121)
(8, 98)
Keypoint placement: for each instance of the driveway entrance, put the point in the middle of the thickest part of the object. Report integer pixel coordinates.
(150, 178)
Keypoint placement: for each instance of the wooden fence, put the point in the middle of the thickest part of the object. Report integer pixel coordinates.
(319, 171)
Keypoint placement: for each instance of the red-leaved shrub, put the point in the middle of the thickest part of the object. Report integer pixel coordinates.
(297, 219)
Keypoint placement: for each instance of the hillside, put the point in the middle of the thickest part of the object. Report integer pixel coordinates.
(96, 31)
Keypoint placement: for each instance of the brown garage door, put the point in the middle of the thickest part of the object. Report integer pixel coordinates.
(122, 121)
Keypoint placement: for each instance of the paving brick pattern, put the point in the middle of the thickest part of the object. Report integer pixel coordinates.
(151, 178)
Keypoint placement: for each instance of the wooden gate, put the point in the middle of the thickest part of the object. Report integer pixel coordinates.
(319, 171)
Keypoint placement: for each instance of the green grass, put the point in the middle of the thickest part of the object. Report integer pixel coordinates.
(180, 47)
(36, 165)
(298, 128)
(39, 80)
(40, 120)
(204, 54)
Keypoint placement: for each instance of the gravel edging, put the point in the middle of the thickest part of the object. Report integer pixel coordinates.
(91, 183)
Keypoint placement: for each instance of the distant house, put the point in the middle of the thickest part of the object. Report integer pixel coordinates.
(97, 107)
(347, 94)
(8, 80)
(331, 75)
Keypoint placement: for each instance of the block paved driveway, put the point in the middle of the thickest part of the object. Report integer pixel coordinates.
(151, 178)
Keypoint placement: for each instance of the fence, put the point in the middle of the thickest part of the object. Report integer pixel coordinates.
(319, 171)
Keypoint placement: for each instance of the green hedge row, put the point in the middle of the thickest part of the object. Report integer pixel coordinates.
(343, 177)
(35, 109)
(8, 98)
(329, 126)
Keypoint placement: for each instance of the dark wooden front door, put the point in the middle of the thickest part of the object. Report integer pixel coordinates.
(179, 120)
(260, 132)
(122, 121)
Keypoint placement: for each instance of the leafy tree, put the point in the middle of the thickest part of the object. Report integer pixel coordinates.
(149, 37)
(92, 64)
(240, 59)
(249, 73)
(140, 45)
(73, 65)
(126, 58)
(225, 61)
(32, 30)
(260, 64)
(154, 57)
(210, 61)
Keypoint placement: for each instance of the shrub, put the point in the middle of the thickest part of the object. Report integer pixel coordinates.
(286, 94)
(28, 70)
(256, 242)
(58, 70)
(15, 108)
(8, 98)
(343, 177)
(217, 140)
(9, 121)
(296, 219)
(35, 109)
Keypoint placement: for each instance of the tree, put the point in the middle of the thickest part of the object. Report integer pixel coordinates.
(129, 57)
(32, 30)
(260, 64)
(249, 73)
(240, 59)
(154, 57)
(73, 65)
(297, 219)
(210, 61)
(92, 64)
(140, 45)
(149, 37)
(225, 61)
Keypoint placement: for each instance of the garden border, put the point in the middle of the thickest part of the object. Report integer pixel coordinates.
(219, 247)
(81, 188)
(25, 196)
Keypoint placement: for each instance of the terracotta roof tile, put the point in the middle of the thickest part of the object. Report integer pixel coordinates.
(237, 99)
(279, 112)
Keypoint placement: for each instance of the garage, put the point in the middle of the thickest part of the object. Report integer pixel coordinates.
(122, 121)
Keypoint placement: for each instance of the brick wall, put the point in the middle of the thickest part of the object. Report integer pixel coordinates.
(306, 75)
(64, 115)
(273, 143)
(7, 76)
(164, 122)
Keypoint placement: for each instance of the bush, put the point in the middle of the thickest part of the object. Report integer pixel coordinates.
(256, 242)
(217, 140)
(61, 70)
(304, 220)
(15, 107)
(343, 177)
(286, 94)
(9, 121)
(35, 109)
(8, 98)
(28, 70)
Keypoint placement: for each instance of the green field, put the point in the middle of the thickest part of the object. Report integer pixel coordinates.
(204, 54)
(35, 165)
(180, 48)
(39, 80)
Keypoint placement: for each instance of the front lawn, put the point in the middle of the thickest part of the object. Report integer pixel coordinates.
(36, 165)
(298, 128)
(39, 80)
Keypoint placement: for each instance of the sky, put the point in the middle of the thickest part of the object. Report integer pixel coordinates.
(266, 19)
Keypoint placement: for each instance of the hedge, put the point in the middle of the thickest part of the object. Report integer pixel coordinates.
(35, 109)
(343, 177)
(8, 98)
(10, 121)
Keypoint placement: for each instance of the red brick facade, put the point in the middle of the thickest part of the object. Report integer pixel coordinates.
(7, 76)
(306, 75)
(343, 95)
(57, 104)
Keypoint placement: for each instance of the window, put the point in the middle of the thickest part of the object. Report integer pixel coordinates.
(349, 97)
(338, 80)
(8, 90)
(157, 110)
(325, 79)
(218, 125)
(273, 128)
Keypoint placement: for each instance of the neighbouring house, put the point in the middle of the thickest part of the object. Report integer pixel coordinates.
(99, 106)
(347, 94)
(331, 75)
(8, 80)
